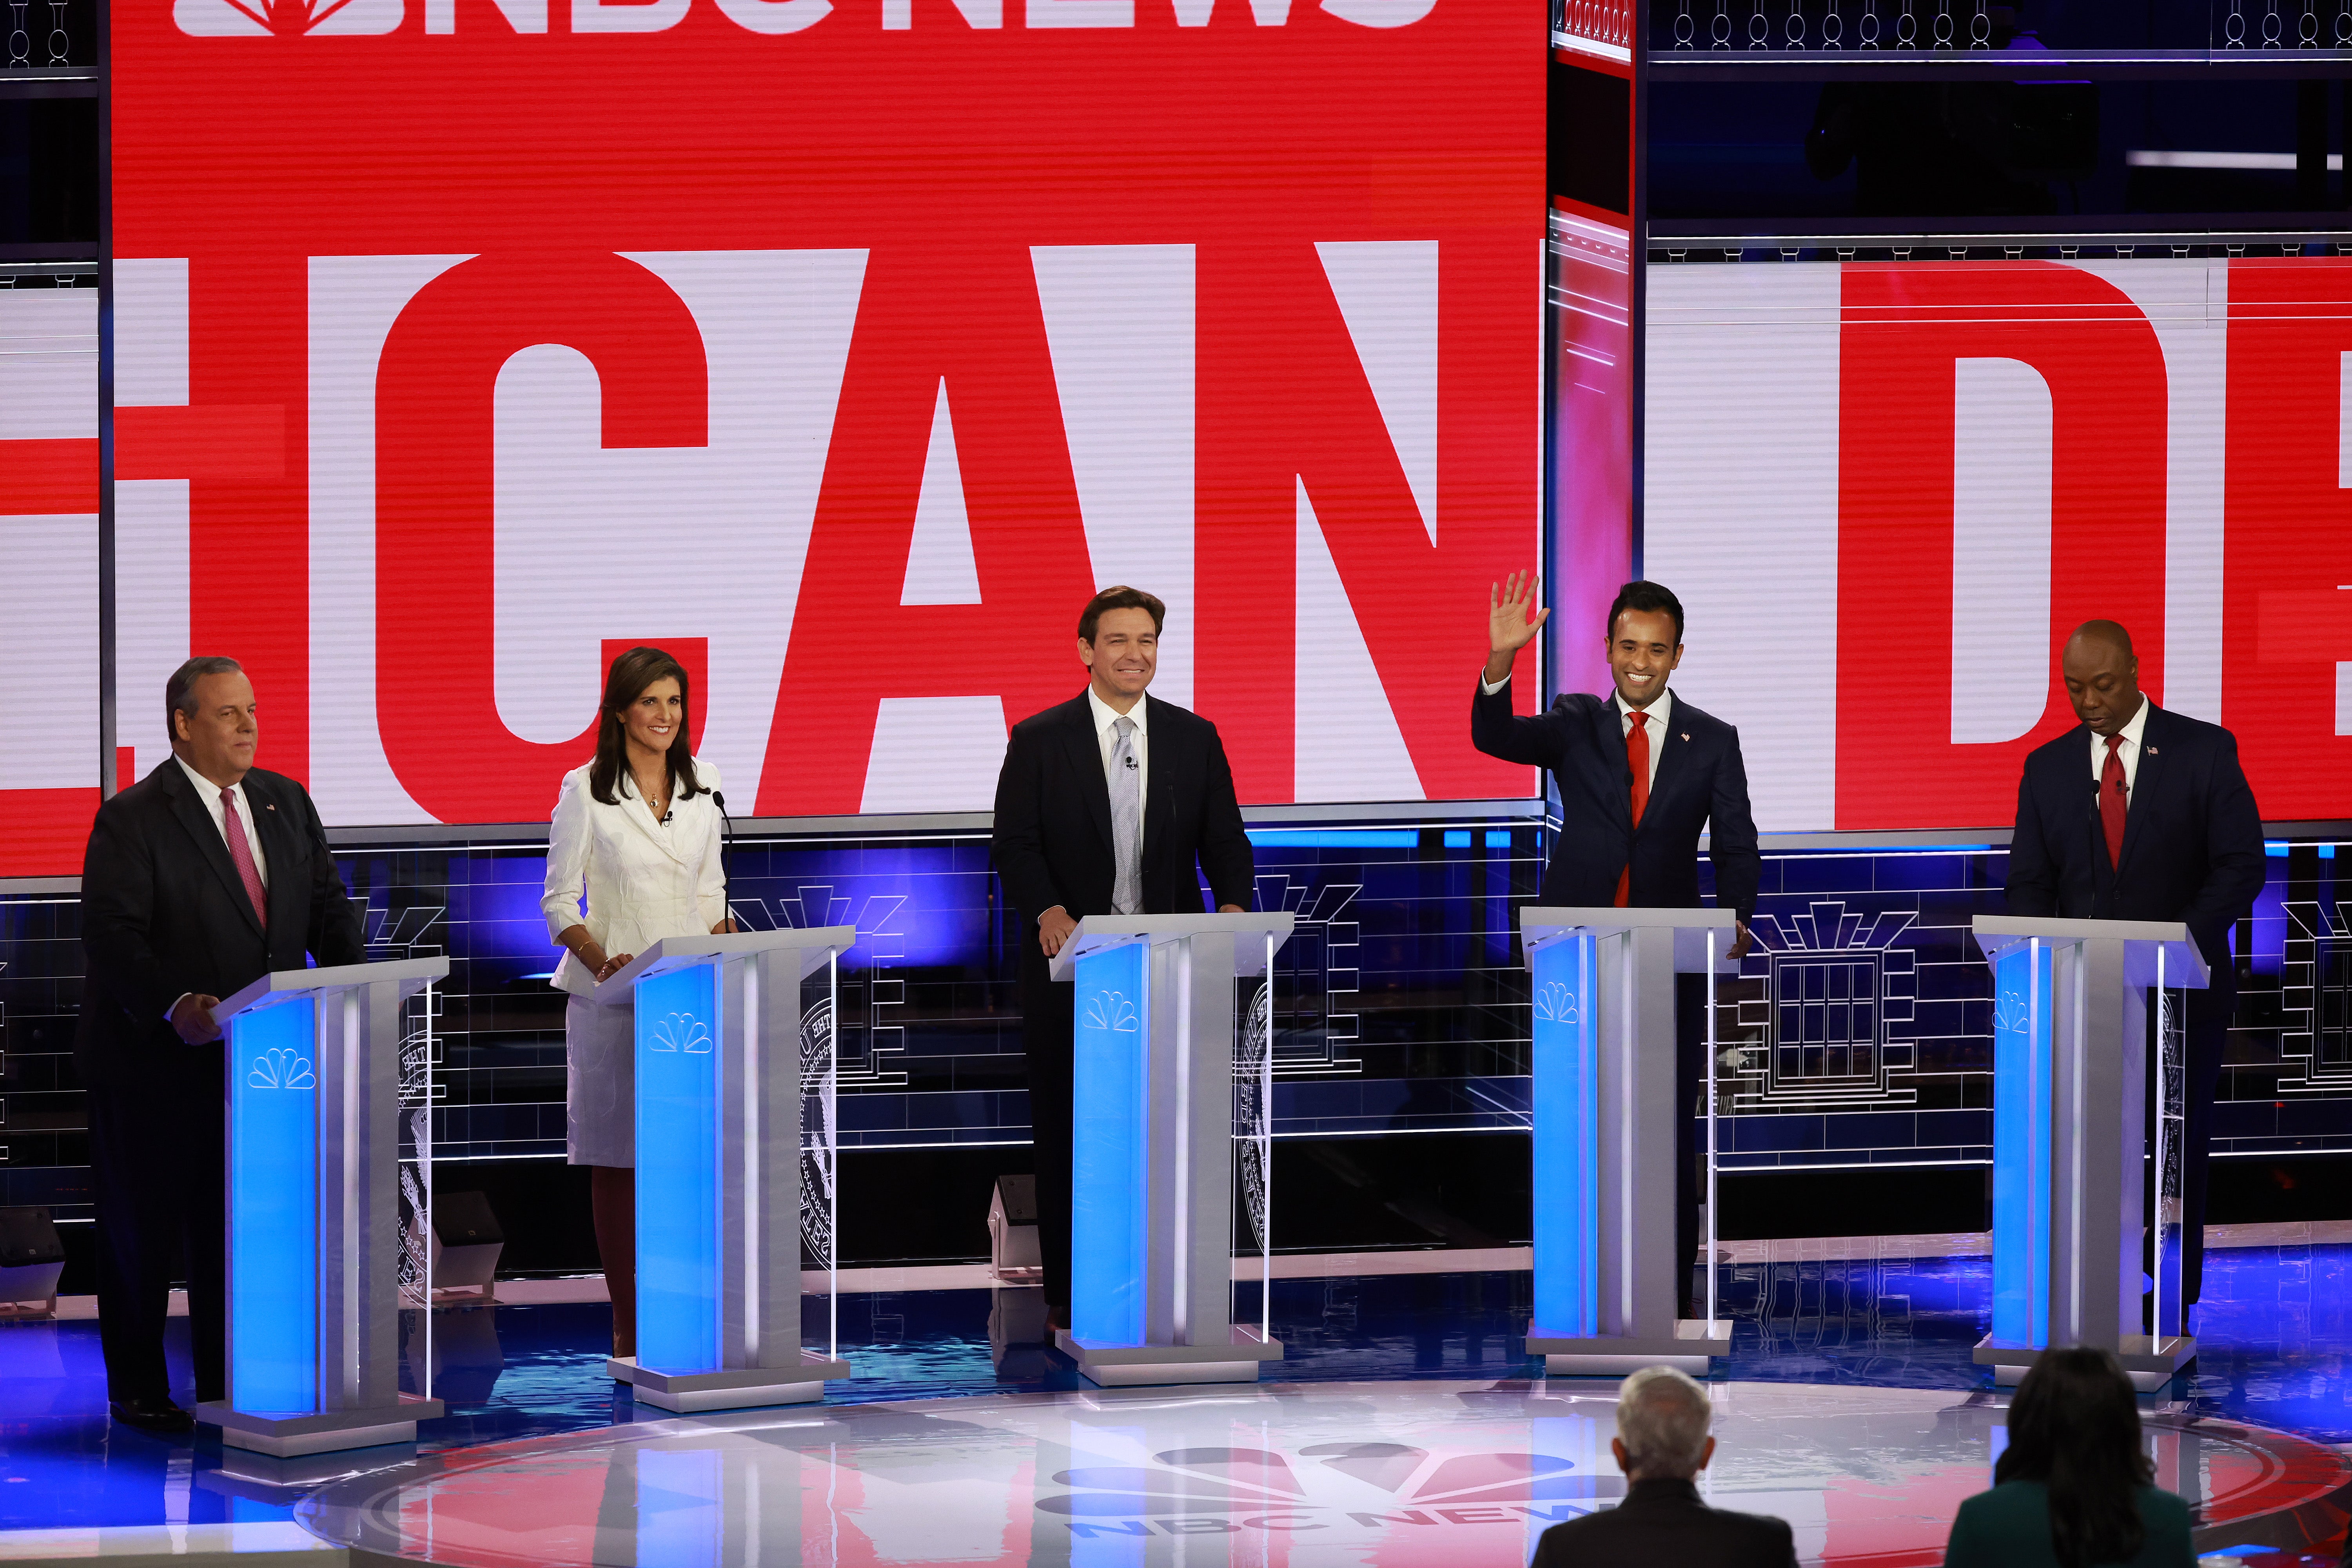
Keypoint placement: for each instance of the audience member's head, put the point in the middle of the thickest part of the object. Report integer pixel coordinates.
(1662, 1419)
(2074, 1426)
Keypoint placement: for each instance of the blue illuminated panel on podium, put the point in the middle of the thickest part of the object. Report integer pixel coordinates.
(1567, 1131)
(2020, 1177)
(677, 1171)
(1108, 1186)
(273, 1208)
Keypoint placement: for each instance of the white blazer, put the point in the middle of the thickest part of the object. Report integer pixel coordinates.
(642, 879)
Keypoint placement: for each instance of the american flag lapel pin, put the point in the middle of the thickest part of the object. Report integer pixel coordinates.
(266, 806)
(2151, 751)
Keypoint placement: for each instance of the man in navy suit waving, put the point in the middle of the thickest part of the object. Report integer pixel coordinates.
(2139, 813)
(1640, 774)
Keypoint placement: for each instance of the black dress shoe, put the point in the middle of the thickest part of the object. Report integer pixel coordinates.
(157, 1415)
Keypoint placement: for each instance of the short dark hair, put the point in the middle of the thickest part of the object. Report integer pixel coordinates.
(1649, 597)
(1120, 598)
(180, 691)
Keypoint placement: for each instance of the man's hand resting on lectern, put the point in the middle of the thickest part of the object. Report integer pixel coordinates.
(192, 1018)
(1054, 926)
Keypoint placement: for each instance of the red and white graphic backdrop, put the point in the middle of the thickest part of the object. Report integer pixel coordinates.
(1886, 492)
(844, 349)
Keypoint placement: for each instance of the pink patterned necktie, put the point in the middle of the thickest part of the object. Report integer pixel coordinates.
(241, 853)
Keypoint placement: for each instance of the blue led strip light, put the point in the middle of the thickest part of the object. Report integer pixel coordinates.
(1566, 1141)
(1107, 1185)
(273, 1180)
(2021, 1147)
(677, 1171)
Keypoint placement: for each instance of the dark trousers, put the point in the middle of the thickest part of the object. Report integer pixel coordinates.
(158, 1163)
(1690, 1146)
(1048, 1009)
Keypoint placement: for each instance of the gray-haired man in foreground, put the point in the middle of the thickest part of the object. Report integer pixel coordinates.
(1662, 1442)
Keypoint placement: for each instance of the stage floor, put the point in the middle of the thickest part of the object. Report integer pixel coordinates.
(1850, 1382)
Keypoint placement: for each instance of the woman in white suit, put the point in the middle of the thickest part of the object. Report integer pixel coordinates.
(636, 833)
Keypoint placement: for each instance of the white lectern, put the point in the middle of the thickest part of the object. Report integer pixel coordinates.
(313, 1102)
(1606, 1265)
(1152, 1178)
(720, 1204)
(2070, 1087)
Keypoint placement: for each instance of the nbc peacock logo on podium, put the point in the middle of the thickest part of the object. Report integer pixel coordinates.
(252, 18)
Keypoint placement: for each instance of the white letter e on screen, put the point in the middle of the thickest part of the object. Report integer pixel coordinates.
(1381, 13)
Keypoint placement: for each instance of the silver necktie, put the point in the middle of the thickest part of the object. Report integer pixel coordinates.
(1126, 821)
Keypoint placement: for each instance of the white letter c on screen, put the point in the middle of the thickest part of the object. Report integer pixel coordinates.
(776, 16)
(1381, 13)
(612, 17)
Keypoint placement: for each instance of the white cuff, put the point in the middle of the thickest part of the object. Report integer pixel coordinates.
(1491, 686)
(175, 1004)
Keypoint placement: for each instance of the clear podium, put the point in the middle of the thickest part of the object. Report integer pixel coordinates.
(314, 1231)
(2070, 1117)
(1606, 1267)
(721, 1205)
(1152, 1178)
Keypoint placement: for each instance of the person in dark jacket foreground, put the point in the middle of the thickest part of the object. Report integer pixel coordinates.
(1661, 1443)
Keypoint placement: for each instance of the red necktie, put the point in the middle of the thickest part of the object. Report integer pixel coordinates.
(241, 853)
(2112, 801)
(1637, 754)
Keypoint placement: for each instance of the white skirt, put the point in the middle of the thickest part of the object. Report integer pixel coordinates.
(600, 1089)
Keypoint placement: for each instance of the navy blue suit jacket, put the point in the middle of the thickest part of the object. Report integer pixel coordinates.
(1699, 779)
(2192, 840)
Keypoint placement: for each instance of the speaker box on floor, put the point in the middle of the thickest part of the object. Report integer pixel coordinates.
(32, 1256)
(466, 1242)
(1013, 1252)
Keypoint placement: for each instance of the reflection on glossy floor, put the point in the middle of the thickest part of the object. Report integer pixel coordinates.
(2275, 1328)
(1401, 1473)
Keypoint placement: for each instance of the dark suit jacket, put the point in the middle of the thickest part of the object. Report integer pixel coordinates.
(1699, 779)
(1053, 818)
(2192, 839)
(2009, 1527)
(1663, 1524)
(164, 912)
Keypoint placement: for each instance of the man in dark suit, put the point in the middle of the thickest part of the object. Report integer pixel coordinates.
(1640, 774)
(1661, 1443)
(2139, 813)
(200, 879)
(1104, 806)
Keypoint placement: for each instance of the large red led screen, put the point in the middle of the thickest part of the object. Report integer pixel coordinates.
(1885, 493)
(844, 347)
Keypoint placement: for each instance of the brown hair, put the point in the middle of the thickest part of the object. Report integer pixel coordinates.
(180, 691)
(627, 681)
(1120, 598)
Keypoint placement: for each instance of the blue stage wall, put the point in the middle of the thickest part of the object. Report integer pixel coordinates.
(1861, 1030)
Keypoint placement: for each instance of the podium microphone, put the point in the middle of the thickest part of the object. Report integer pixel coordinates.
(726, 841)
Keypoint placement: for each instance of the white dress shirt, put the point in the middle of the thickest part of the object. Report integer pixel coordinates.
(1105, 716)
(2129, 751)
(210, 794)
(1661, 712)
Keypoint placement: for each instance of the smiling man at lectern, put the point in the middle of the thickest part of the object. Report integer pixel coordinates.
(1105, 805)
(199, 879)
(2142, 813)
(1640, 774)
